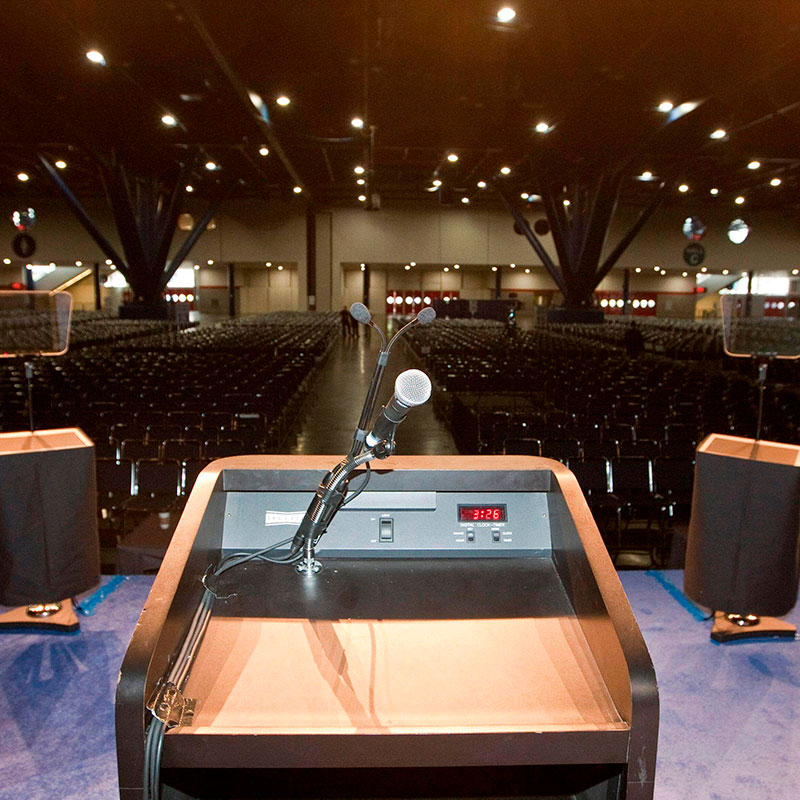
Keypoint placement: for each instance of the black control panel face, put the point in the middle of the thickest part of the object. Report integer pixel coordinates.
(408, 524)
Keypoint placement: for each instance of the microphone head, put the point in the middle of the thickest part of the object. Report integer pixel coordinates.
(412, 387)
(360, 313)
(426, 316)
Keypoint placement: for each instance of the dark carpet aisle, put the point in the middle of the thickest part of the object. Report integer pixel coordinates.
(335, 403)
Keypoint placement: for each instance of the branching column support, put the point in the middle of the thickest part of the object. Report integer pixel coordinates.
(580, 229)
(146, 216)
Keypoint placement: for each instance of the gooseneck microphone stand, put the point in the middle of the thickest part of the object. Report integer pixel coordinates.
(331, 493)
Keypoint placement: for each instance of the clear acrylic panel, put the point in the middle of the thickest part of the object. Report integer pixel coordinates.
(34, 323)
(757, 325)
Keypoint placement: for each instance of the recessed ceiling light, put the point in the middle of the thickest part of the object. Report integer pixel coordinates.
(357, 122)
(505, 170)
(638, 269)
(360, 182)
(210, 262)
(196, 267)
(512, 265)
(456, 266)
(714, 191)
(684, 274)
(283, 100)
(465, 200)
(280, 267)
(437, 183)
(96, 57)
(775, 182)
(663, 272)
(452, 157)
(362, 198)
(683, 188)
(61, 164)
(744, 274)
(189, 188)
(446, 269)
(725, 271)
(169, 120)
(23, 176)
(566, 203)
(703, 269)
(8, 261)
(268, 264)
(657, 268)
(646, 175)
(413, 263)
(543, 127)
(719, 133)
(754, 164)
(263, 150)
(297, 189)
(481, 184)
(795, 271)
(506, 14)
(494, 269)
(527, 271)
(665, 106)
(739, 200)
(108, 261)
(524, 195)
(407, 267)
(211, 166)
(359, 170)
(363, 267)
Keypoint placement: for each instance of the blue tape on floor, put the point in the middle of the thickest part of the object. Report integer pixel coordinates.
(88, 605)
(678, 595)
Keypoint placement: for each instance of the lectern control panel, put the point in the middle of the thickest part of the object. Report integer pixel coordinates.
(407, 524)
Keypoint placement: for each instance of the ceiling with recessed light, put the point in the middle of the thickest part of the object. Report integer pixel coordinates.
(445, 91)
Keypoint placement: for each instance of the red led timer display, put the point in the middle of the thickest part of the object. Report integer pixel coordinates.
(482, 513)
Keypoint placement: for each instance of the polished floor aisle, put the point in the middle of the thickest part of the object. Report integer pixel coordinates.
(335, 402)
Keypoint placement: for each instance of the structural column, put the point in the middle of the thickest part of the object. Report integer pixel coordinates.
(96, 281)
(311, 259)
(231, 291)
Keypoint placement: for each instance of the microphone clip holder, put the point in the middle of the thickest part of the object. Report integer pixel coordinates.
(327, 501)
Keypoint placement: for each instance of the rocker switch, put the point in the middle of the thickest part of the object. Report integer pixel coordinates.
(386, 530)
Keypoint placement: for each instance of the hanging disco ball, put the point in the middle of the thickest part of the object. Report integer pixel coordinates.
(694, 229)
(23, 219)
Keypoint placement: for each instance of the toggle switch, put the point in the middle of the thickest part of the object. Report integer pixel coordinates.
(386, 530)
(470, 535)
(495, 535)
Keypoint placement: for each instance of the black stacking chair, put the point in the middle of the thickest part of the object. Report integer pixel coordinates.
(224, 448)
(105, 449)
(182, 449)
(674, 480)
(641, 448)
(136, 450)
(522, 447)
(191, 469)
(157, 486)
(594, 478)
(114, 485)
(601, 448)
(561, 449)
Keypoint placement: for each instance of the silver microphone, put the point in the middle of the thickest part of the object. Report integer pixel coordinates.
(412, 388)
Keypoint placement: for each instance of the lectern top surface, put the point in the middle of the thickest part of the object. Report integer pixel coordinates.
(59, 439)
(737, 447)
(291, 676)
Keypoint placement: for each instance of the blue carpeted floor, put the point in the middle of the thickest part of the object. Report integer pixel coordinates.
(730, 714)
